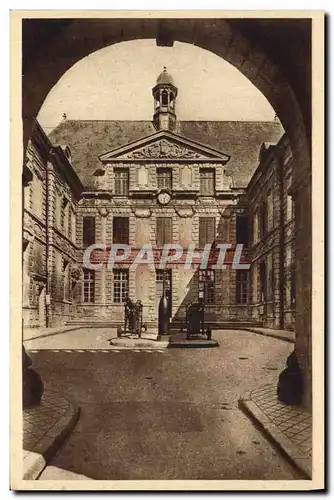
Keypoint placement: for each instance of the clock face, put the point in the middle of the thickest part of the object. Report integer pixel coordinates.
(163, 198)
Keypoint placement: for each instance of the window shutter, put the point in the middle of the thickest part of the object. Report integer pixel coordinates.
(164, 231)
(88, 231)
(121, 230)
(160, 232)
(168, 230)
(207, 181)
(207, 230)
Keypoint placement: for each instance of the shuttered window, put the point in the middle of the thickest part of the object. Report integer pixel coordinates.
(164, 233)
(207, 181)
(120, 230)
(164, 178)
(88, 231)
(121, 181)
(207, 230)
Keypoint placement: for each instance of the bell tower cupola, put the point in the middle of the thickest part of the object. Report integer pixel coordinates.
(164, 94)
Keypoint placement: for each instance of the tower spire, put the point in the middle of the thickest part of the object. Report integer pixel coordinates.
(164, 93)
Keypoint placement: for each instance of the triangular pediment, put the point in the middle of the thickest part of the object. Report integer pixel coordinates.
(164, 145)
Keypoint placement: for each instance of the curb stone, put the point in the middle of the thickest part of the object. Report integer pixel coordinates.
(35, 461)
(272, 335)
(63, 329)
(302, 462)
(192, 344)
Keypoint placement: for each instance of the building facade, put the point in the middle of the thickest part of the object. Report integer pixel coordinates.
(51, 191)
(152, 183)
(271, 216)
(162, 189)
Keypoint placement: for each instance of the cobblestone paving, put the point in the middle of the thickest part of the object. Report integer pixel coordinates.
(293, 421)
(38, 421)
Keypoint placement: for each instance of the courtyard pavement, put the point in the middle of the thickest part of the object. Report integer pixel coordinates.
(45, 427)
(288, 426)
(163, 414)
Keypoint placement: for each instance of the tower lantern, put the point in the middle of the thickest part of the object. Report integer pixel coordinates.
(164, 94)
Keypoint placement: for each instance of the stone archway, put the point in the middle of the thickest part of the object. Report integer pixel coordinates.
(64, 42)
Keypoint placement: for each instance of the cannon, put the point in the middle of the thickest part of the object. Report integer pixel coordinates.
(133, 318)
(194, 321)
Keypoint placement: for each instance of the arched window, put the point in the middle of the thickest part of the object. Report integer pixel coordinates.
(164, 98)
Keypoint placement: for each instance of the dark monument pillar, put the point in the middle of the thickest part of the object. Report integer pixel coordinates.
(163, 321)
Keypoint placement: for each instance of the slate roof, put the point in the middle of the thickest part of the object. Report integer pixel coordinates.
(88, 139)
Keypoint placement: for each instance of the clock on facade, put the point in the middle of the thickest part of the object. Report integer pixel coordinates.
(164, 197)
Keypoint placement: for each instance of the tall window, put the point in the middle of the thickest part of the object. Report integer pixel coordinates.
(207, 230)
(241, 287)
(66, 208)
(289, 202)
(89, 285)
(164, 233)
(73, 226)
(121, 285)
(164, 178)
(263, 220)
(206, 285)
(254, 283)
(270, 277)
(58, 211)
(289, 208)
(270, 210)
(121, 181)
(290, 277)
(207, 181)
(255, 227)
(37, 196)
(242, 233)
(88, 231)
(120, 230)
(67, 284)
(293, 285)
(263, 279)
